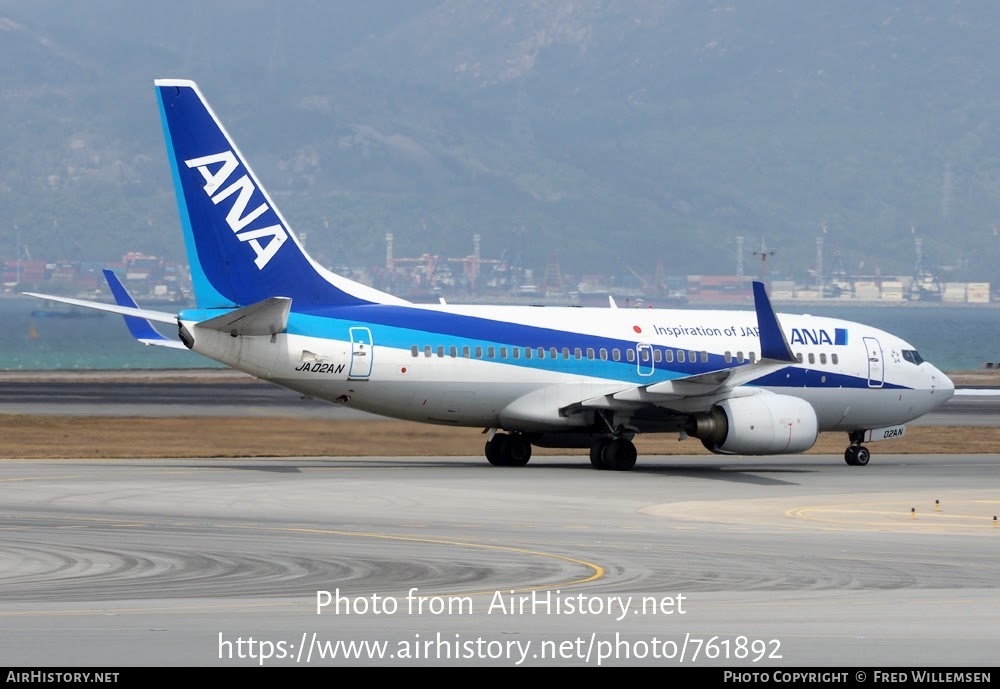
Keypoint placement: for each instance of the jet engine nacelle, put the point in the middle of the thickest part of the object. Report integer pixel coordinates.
(765, 424)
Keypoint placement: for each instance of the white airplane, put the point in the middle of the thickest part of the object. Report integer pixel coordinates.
(749, 383)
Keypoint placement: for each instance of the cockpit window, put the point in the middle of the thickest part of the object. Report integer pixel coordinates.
(912, 356)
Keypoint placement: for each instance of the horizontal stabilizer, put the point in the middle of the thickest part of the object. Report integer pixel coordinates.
(158, 316)
(161, 342)
(268, 317)
(141, 329)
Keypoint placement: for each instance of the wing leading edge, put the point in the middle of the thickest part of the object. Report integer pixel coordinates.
(776, 354)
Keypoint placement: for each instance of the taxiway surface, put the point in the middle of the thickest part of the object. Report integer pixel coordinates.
(775, 562)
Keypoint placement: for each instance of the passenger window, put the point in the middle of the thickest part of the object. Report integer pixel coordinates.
(812, 358)
(491, 352)
(453, 352)
(753, 357)
(577, 353)
(822, 358)
(604, 354)
(692, 357)
(565, 352)
(590, 353)
(704, 357)
(441, 351)
(479, 352)
(554, 353)
(516, 351)
(739, 357)
(680, 356)
(503, 352)
(541, 352)
(414, 350)
(834, 359)
(657, 355)
(668, 355)
(798, 357)
(465, 352)
(616, 355)
(427, 350)
(630, 355)
(728, 357)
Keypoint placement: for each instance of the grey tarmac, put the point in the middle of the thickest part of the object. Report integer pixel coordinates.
(184, 562)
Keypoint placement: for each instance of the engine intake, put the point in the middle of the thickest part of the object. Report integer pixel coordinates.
(765, 424)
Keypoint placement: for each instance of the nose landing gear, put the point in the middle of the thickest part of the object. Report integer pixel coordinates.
(857, 455)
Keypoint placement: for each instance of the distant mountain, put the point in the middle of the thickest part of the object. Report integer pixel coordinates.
(615, 133)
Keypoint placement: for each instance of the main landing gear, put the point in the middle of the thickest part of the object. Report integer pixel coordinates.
(856, 454)
(617, 454)
(508, 450)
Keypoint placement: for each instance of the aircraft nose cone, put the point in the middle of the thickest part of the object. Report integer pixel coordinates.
(943, 386)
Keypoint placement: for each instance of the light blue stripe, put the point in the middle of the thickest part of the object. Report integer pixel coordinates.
(403, 338)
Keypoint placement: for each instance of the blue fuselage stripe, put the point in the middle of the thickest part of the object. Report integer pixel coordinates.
(401, 328)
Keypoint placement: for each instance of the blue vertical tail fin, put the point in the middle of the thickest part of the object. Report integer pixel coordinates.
(240, 248)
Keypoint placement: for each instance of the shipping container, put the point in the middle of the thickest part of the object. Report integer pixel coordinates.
(953, 292)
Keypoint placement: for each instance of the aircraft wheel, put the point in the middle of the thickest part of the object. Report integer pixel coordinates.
(496, 450)
(620, 455)
(597, 451)
(516, 451)
(862, 456)
(850, 455)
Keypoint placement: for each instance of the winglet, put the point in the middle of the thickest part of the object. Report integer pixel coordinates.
(141, 329)
(773, 344)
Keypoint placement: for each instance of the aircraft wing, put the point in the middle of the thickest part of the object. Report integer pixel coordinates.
(703, 389)
(704, 384)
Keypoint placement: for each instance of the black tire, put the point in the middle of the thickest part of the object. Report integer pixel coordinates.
(496, 450)
(862, 457)
(620, 455)
(517, 451)
(597, 451)
(849, 456)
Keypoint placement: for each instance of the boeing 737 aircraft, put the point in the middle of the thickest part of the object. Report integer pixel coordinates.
(750, 383)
